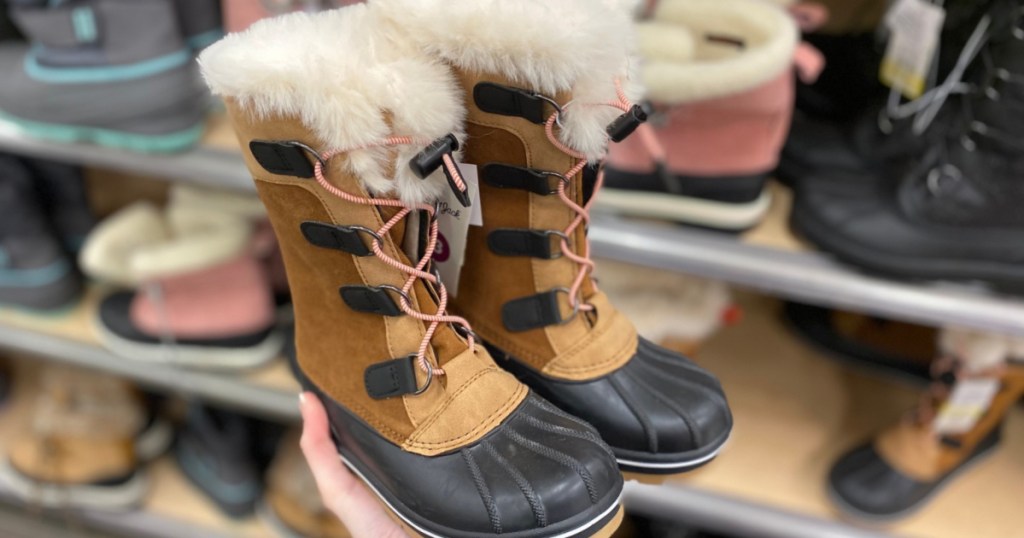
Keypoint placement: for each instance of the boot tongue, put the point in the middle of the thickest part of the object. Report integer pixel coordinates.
(410, 234)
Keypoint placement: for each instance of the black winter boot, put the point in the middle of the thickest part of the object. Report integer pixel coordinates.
(955, 214)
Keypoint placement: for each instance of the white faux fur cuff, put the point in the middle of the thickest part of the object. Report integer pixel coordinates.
(549, 46)
(769, 38)
(339, 73)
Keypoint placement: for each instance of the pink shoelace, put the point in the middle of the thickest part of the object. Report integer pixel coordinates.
(414, 271)
(586, 265)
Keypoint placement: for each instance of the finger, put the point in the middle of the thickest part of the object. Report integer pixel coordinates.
(343, 493)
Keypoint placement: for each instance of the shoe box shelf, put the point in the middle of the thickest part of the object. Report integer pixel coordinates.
(768, 258)
(763, 484)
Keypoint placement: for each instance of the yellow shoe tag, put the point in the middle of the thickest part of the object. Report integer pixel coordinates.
(965, 406)
(915, 27)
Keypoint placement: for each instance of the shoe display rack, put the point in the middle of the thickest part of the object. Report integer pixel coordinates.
(794, 393)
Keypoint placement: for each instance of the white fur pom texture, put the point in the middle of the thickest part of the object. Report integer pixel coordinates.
(579, 46)
(340, 73)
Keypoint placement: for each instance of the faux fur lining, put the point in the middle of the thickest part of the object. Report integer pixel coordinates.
(716, 69)
(980, 351)
(339, 73)
(577, 46)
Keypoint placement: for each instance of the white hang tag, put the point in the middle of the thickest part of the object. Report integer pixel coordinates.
(915, 27)
(965, 406)
(453, 222)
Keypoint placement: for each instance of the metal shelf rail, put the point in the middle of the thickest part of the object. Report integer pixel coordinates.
(804, 276)
(225, 389)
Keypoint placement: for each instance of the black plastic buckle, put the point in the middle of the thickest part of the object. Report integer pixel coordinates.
(525, 242)
(373, 299)
(508, 101)
(395, 377)
(625, 124)
(432, 158)
(344, 238)
(507, 176)
(536, 311)
(285, 158)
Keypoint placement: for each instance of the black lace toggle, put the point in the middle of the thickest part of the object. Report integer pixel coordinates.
(625, 124)
(432, 158)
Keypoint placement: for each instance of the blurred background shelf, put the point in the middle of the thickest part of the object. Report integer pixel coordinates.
(768, 258)
(173, 508)
(67, 337)
(762, 481)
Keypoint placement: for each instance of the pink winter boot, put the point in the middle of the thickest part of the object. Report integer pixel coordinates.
(720, 76)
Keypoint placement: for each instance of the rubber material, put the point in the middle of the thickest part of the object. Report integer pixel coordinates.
(687, 210)
(865, 486)
(114, 328)
(540, 473)
(660, 413)
(164, 143)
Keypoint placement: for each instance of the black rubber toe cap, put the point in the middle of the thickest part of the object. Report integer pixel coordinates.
(539, 473)
(864, 485)
(659, 412)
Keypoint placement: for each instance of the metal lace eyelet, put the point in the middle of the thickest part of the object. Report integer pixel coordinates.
(309, 150)
(560, 235)
(430, 374)
(574, 303)
(558, 108)
(561, 178)
(398, 291)
(376, 237)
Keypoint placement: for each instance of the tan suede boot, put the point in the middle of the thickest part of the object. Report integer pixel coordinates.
(540, 82)
(897, 472)
(331, 113)
(78, 448)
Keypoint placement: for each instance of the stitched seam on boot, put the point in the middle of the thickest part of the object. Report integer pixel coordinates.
(485, 425)
(555, 368)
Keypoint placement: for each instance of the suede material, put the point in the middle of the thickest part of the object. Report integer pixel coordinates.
(916, 452)
(489, 281)
(292, 495)
(334, 344)
(734, 135)
(73, 460)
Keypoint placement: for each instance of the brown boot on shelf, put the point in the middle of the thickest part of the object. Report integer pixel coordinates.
(291, 504)
(958, 422)
(78, 448)
(334, 116)
(546, 85)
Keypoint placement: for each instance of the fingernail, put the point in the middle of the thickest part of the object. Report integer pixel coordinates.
(302, 399)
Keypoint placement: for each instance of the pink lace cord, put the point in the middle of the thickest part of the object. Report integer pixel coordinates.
(586, 265)
(414, 272)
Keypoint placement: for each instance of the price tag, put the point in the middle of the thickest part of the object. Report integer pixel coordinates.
(453, 223)
(965, 406)
(915, 27)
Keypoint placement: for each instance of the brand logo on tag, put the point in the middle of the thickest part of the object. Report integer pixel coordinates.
(442, 251)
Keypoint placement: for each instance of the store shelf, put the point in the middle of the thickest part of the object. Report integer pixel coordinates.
(216, 162)
(801, 275)
(173, 508)
(767, 259)
(67, 337)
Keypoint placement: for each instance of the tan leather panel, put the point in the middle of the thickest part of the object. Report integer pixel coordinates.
(480, 397)
(916, 452)
(489, 281)
(611, 344)
(335, 344)
(73, 460)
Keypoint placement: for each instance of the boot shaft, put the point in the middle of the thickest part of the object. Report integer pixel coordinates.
(376, 106)
(558, 68)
